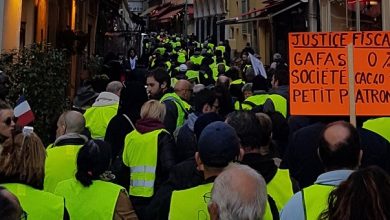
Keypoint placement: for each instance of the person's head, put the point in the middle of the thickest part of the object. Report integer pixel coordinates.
(218, 145)
(23, 158)
(277, 57)
(244, 57)
(7, 123)
(280, 77)
(266, 128)
(339, 146)
(93, 160)
(203, 120)
(133, 96)
(238, 193)
(153, 109)
(183, 88)
(157, 81)
(114, 87)
(206, 101)
(247, 90)
(183, 68)
(223, 81)
(10, 208)
(70, 122)
(364, 195)
(131, 53)
(247, 128)
(221, 68)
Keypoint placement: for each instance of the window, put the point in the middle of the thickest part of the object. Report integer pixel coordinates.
(356, 15)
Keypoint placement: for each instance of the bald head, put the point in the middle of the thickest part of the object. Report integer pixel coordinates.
(223, 81)
(239, 192)
(183, 89)
(339, 146)
(114, 87)
(70, 122)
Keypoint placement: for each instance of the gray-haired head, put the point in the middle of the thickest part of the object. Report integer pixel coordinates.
(239, 193)
(114, 87)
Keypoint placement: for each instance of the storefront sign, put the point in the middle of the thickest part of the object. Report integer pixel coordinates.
(319, 80)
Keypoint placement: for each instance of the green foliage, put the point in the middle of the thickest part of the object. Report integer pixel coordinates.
(41, 73)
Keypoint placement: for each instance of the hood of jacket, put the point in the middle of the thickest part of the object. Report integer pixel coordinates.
(146, 125)
(106, 98)
(262, 164)
(191, 121)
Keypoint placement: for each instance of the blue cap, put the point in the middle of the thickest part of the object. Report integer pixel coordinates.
(218, 144)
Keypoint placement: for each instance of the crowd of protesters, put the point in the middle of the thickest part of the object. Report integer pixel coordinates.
(201, 134)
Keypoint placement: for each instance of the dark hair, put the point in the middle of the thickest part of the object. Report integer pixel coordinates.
(92, 160)
(247, 127)
(4, 105)
(161, 76)
(133, 96)
(203, 97)
(345, 153)
(281, 74)
(8, 209)
(364, 195)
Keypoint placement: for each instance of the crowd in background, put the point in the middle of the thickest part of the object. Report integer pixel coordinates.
(199, 133)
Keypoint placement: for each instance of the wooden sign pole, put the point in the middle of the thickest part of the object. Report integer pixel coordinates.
(351, 89)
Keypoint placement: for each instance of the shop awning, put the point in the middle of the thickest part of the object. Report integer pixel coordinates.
(160, 11)
(274, 8)
(167, 17)
(148, 11)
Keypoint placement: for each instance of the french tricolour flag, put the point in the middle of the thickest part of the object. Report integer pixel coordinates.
(23, 112)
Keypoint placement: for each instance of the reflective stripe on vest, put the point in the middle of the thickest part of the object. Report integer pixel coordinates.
(280, 188)
(140, 154)
(315, 200)
(97, 119)
(380, 126)
(190, 203)
(38, 204)
(60, 164)
(182, 107)
(96, 201)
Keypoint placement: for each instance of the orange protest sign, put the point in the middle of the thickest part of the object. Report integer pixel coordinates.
(319, 73)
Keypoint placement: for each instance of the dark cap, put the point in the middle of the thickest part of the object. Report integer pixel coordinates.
(218, 144)
(203, 120)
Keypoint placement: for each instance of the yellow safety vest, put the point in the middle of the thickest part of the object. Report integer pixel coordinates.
(280, 103)
(181, 58)
(221, 48)
(237, 82)
(182, 107)
(190, 204)
(380, 126)
(280, 188)
(315, 200)
(96, 201)
(254, 100)
(38, 204)
(193, 75)
(97, 119)
(140, 154)
(197, 59)
(60, 165)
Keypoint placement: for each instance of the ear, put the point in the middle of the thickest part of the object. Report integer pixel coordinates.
(241, 154)
(163, 85)
(213, 211)
(199, 162)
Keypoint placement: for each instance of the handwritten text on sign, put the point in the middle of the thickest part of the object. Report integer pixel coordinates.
(319, 73)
